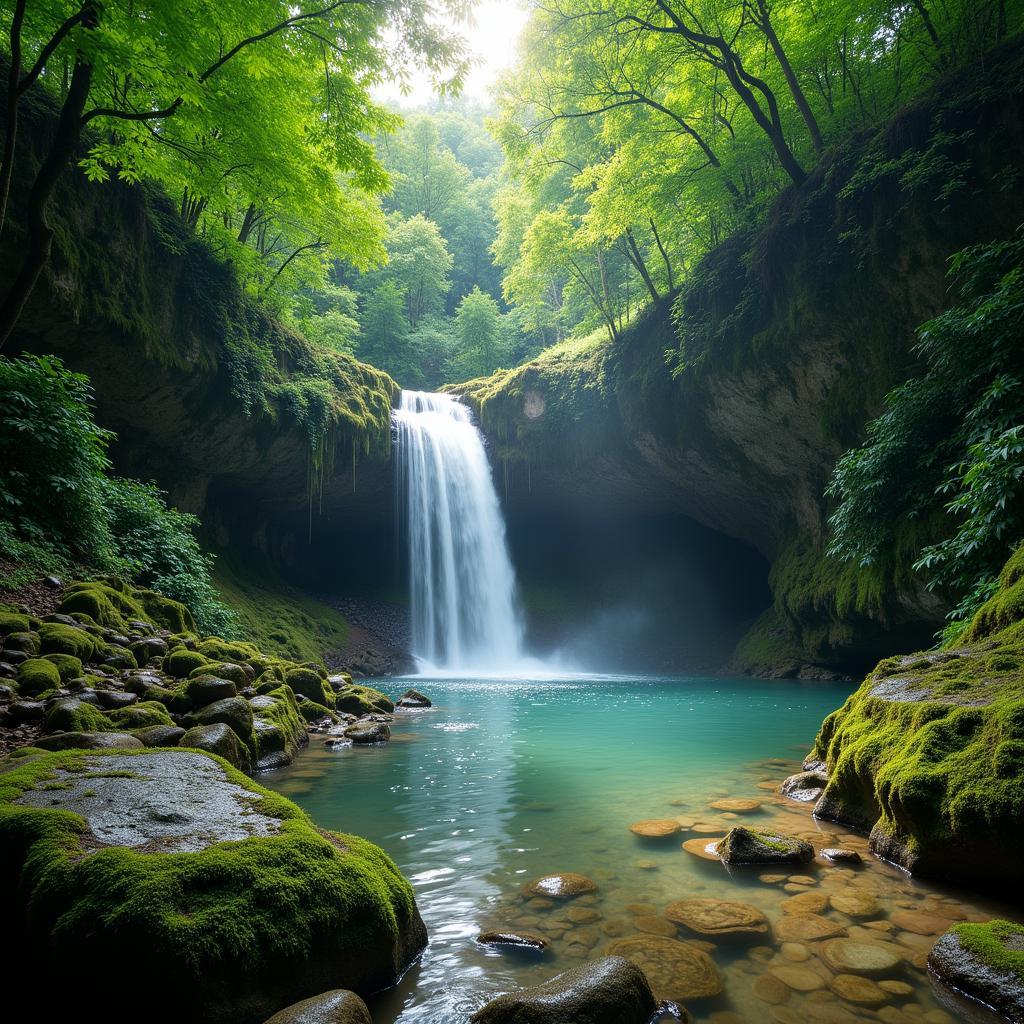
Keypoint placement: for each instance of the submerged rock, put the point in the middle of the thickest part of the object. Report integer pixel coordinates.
(516, 940)
(611, 990)
(763, 846)
(337, 1007)
(565, 886)
(677, 971)
(719, 918)
(841, 856)
(984, 962)
(655, 828)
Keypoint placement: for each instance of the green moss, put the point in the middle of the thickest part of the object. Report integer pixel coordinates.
(76, 716)
(183, 662)
(769, 647)
(36, 675)
(68, 666)
(284, 714)
(112, 602)
(277, 618)
(13, 622)
(1006, 606)
(57, 638)
(222, 670)
(228, 928)
(356, 699)
(141, 716)
(988, 942)
(311, 711)
(310, 684)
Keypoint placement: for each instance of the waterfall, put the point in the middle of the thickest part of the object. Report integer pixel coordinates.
(463, 588)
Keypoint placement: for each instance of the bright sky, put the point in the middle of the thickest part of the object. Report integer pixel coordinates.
(492, 36)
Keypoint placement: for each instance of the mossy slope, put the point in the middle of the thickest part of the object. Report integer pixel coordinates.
(929, 753)
(232, 932)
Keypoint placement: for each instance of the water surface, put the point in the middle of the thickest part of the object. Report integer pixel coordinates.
(509, 779)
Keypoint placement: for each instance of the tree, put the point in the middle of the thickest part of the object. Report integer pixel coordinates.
(385, 326)
(419, 263)
(248, 103)
(478, 331)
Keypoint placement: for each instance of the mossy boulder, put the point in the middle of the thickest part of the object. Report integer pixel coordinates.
(363, 700)
(27, 642)
(13, 622)
(113, 603)
(220, 739)
(743, 845)
(313, 712)
(67, 665)
(984, 961)
(928, 755)
(238, 907)
(89, 741)
(160, 735)
(337, 1007)
(205, 689)
(182, 663)
(310, 684)
(57, 638)
(141, 716)
(225, 670)
(74, 715)
(232, 711)
(37, 675)
(279, 730)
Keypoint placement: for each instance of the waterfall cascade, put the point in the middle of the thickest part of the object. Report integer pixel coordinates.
(464, 607)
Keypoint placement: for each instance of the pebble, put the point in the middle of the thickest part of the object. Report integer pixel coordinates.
(795, 952)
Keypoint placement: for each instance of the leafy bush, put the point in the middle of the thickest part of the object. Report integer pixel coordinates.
(59, 510)
(946, 458)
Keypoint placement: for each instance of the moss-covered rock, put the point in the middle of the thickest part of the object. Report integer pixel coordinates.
(160, 735)
(310, 684)
(205, 689)
(28, 642)
(112, 602)
(183, 662)
(89, 741)
(140, 716)
(36, 675)
(67, 665)
(279, 730)
(743, 845)
(254, 908)
(363, 700)
(929, 753)
(232, 711)
(220, 739)
(225, 670)
(984, 961)
(13, 622)
(74, 715)
(57, 638)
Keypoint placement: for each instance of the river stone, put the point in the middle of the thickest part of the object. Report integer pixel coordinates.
(703, 847)
(607, 991)
(655, 828)
(414, 699)
(232, 711)
(337, 1007)
(919, 922)
(763, 846)
(806, 928)
(770, 989)
(565, 886)
(838, 855)
(368, 732)
(806, 787)
(855, 903)
(991, 972)
(113, 700)
(220, 739)
(89, 741)
(582, 915)
(798, 977)
(514, 940)
(677, 971)
(207, 689)
(174, 806)
(160, 735)
(736, 805)
(718, 918)
(853, 956)
(651, 924)
(805, 903)
(860, 991)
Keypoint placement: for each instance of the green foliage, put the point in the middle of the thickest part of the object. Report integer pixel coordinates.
(478, 328)
(948, 452)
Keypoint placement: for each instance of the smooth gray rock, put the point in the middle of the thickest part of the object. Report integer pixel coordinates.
(113, 700)
(805, 786)
(175, 806)
(763, 846)
(232, 711)
(368, 732)
(220, 739)
(967, 973)
(337, 1007)
(611, 990)
(89, 741)
(208, 689)
(160, 735)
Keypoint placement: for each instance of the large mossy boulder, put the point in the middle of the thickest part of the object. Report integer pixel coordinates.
(220, 739)
(37, 675)
(75, 715)
(310, 684)
(743, 845)
(279, 730)
(113, 603)
(928, 755)
(200, 895)
(58, 638)
(612, 990)
(363, 700)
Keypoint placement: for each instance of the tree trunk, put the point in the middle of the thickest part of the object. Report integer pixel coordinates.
(664, 256)
(635, 257)
(40, 234)
(13, 95)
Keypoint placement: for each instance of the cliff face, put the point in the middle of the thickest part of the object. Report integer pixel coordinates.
(229, 411)
(788, 340)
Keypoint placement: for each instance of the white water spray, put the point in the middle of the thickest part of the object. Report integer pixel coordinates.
(464, 608)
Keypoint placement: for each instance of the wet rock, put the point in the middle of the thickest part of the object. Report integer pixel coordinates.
(565, 886)
(770, 989)
(806, 787)
(719, 918)
(705, 848)
(807, 928)
(89, 741)
(805, 903)
(234, 712)
(206, 689)
(859, 990)
(607, 991)
(677, 971)
(218, 738)
(655, 828)
(984, 962)
(515, 940)
(366, 732)
(654, 925)
(763, 846)
(53, 582)
(27, 710)
(736, 805)
(918, 922)
(414, 699)
(112, 700)
(337, 1007)
(855, 903)
(853, 956)
(161, 735)
(838, 855)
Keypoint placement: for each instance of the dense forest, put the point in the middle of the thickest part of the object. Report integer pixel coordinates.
(645, 412)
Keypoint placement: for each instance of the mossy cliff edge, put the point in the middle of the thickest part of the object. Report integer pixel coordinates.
(732, 406)
(928, 755)
(223, 406)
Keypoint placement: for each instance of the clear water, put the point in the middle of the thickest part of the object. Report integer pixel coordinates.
(462, 585)
(506, 780)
